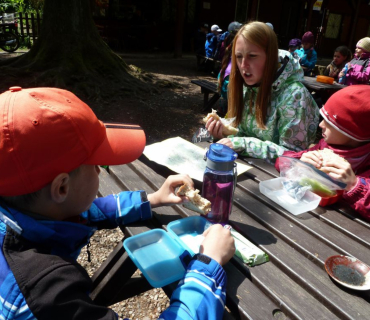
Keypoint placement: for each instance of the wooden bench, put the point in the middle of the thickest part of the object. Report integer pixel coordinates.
(208, 87)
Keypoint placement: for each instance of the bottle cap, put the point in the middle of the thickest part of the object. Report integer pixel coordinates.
(220, 157)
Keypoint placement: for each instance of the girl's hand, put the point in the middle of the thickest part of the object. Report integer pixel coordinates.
(215, 128)
(166, 196)
(341, 171)
(227, 142)
(313, 157)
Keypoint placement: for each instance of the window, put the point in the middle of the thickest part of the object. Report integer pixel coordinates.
(333, 26)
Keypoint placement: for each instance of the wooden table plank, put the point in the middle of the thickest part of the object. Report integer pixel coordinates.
(323, 232)
(355, 228)
(257, 227)
(312, 84)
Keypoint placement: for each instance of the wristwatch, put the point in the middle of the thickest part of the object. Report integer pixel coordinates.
(143, 196)
(203, 258)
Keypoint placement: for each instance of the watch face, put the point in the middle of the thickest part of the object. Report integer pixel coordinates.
(203, 258)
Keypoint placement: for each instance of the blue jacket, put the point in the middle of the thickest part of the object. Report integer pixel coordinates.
(211, 45)
(308, 58)
(40, 278)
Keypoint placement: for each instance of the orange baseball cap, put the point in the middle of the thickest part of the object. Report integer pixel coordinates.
(48, 131)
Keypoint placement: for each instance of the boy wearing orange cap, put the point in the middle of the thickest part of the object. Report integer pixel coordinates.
(345, 131)
(51, 144)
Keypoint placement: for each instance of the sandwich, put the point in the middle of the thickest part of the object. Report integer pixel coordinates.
(227, 128)
(329, 155)
(196, 202)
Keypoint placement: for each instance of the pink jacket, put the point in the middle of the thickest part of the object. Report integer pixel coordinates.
(359, 72)
(359, 158)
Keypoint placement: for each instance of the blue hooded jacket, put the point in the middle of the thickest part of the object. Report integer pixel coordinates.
(40, 278)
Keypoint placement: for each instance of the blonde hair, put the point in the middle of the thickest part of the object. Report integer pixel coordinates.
(263, 36)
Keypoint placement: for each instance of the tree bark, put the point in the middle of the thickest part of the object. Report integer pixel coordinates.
(70, 54)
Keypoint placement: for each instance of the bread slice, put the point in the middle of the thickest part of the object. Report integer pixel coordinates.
(328, 154)
(227, 129)
(197, 203)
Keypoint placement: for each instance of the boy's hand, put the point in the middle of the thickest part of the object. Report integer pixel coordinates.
(341, 171)
(166, 196)
(215, 128)
(218, 244)
(312, 157)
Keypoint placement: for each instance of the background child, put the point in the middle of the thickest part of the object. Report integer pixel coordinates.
(307, 54)
(224, 75)
(346, 131)
(294, 44)
(51, 146)
(341, 56)
(212, 40)
(357, 71)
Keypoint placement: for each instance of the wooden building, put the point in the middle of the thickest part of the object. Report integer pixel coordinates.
(171, 24)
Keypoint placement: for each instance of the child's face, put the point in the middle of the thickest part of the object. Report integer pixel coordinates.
(333, 136)
(306, 45)
(338, 58)
(251, 60)
(359, 52)
(83, 189)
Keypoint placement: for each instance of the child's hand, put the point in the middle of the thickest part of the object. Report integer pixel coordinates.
(312, 157)
(333, 73)
(226, 141)
(218, 244)
(341, 171)
(166, 196)
(215, 128)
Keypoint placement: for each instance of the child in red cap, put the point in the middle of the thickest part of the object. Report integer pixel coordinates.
(345, 131)
(51, 146)
(307, 54)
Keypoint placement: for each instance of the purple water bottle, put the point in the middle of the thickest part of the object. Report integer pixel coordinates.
(219, 181)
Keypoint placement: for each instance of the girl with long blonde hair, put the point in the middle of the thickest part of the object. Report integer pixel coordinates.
(273, 110)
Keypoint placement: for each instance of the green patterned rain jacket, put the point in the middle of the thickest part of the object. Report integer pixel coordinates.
(292, 118)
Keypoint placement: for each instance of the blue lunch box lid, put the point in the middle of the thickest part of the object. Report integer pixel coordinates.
(161, 258)
(191, 226)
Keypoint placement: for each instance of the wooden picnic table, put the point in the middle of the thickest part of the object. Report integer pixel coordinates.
(292, 285)
(324, 90)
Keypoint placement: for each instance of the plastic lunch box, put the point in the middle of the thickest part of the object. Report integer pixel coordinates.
(274, 190)
(162, 256)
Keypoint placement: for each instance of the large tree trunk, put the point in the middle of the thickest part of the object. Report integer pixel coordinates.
(70, 53)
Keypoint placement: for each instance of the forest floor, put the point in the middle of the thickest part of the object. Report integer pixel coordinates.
(173, 110)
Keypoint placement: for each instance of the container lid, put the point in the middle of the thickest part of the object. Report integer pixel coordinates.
(189, 232)
(161, 258)
(220, 157)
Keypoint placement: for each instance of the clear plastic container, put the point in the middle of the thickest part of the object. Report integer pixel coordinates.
(274, 190)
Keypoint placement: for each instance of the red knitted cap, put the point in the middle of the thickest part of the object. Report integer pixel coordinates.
(348, 110)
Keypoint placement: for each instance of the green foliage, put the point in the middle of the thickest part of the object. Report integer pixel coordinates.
(25, 6)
